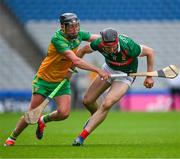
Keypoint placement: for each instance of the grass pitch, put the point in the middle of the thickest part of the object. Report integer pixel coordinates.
(122, 135)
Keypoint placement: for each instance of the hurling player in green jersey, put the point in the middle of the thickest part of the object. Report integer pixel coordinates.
(121, 56)
(61, 56)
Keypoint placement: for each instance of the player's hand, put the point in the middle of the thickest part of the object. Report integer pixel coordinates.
(69, 73)
(103, 74)
(148, 82)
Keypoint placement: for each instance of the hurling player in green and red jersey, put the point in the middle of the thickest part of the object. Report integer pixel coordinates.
(121, 56)
(55, 67)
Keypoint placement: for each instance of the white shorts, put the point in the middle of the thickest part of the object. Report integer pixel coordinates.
(128, 80)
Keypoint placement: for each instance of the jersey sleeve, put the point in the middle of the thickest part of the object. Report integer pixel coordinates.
(94, 44)
(60, 45)
(85, 36)
(135, 49)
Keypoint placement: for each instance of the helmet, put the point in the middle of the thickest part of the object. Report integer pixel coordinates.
(69, 19)
(109, 37)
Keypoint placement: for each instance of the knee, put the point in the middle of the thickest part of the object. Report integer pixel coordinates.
(107, 104)
(86, 101)
(62, 115)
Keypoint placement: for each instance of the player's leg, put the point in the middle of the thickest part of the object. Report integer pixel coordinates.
(91, 96)
(117, 90)
(97, 87)
(21, 125)
(63, 102)
(94, 91)
(63, 108)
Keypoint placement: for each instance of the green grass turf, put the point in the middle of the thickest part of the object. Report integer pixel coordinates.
(122, 135)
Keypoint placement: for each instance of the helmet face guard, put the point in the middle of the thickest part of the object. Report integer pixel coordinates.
(72, 30)
(70, 25)
(109, 40)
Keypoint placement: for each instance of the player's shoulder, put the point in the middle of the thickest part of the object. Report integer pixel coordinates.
(124, 39)
(58, 36)
(83, 33)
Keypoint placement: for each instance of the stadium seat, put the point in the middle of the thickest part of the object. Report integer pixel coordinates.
(12, 66)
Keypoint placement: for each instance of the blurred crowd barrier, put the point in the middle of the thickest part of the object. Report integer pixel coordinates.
(154, 101)
(150, 101)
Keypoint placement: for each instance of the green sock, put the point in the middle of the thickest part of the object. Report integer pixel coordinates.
(47, 118)
(13, 135)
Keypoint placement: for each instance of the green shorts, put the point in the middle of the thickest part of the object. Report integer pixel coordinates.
(39, 86)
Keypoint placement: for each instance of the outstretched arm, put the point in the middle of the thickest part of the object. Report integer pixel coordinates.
(93, 37)
(84, 50)
(87, 48)
(80, 63)
(149, 53)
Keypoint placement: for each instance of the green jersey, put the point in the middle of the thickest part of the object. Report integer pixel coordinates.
(55, 66)
(125, 59)
(62, 44)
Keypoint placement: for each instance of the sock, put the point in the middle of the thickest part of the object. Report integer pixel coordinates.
(13, 135)
(86, 123)
(9, 138)
(84, 134)
(46, 118)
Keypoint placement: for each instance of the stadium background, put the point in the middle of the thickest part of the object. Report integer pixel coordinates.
(27, 26)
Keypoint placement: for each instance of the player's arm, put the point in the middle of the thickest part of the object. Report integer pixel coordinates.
(141, 51)
(80, 63)
(149, 53)
(86, 36)
(93, 37)
(89, 48)
(84, 50)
